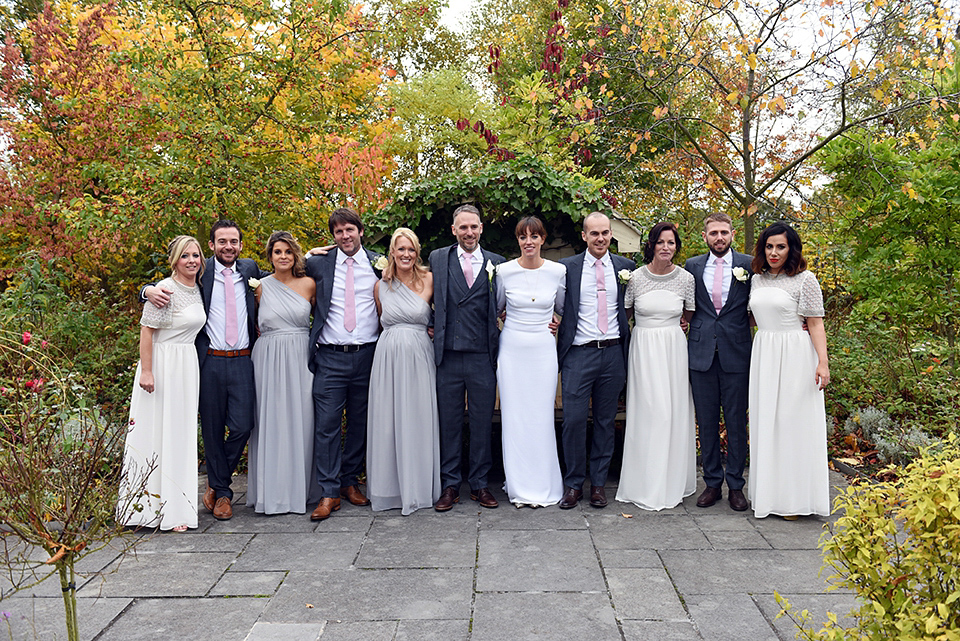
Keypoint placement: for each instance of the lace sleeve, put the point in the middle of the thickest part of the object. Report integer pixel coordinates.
(811, 297)
(157, 318)
(689, 291)
(632, 286)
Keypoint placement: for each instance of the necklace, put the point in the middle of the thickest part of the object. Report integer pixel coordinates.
(536, 280)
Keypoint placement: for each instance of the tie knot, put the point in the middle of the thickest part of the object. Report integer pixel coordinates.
(227, 271)
(598, 263)
(349, 260)
(719, 260)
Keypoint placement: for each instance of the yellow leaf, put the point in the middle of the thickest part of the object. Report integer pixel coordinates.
(574, 136)
(626, 516)
(633, 148)
(732, 97)
(752, 60)
(624, 29)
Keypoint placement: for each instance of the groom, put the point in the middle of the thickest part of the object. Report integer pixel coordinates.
(719, 352)
(465, 340)
(592, 352)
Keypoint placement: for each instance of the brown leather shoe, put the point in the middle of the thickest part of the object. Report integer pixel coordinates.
(484, 497)
(209, 498)
(325, 508)
(570, 498)
(598, 497)
(447, 499)
(710, 496)
(737, 500)
(222, 510)
(354, 495)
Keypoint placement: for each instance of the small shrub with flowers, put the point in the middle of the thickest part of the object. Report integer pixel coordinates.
(59, 469)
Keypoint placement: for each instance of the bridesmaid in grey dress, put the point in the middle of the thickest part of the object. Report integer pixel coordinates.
(403, 432)
(282, 477)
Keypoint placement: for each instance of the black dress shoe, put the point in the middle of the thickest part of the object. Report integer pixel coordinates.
(570, 498)
(447, 499)
(598, 498)
(737, 500)
(484, 497)
(710, 496)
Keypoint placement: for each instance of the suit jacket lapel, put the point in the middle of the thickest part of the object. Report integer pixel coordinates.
(207, 281)
(576, 273)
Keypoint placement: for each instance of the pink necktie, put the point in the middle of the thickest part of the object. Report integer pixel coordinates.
(349, 303)
(718, 285)
(230, 308)
(468, 269)
(601, 298)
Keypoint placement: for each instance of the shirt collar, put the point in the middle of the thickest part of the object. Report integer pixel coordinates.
(219, 267)
(360, 257)
(726, 257)
(591, 260)
(475, 253)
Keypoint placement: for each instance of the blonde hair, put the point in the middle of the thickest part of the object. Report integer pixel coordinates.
(175, 249)
(418, 269)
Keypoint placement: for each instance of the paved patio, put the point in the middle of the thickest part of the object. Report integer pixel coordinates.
(473, 574)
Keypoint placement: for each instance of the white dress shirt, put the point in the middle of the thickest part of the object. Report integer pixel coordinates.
(368, 323)
(709, 269)
(587, 320)
(216, 316)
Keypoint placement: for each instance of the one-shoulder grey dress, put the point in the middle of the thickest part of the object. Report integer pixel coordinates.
(282, 476)
(403, 429)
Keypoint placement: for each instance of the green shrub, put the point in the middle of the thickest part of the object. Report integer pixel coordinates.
(897, 546)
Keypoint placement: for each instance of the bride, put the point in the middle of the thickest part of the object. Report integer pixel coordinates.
(531, 290)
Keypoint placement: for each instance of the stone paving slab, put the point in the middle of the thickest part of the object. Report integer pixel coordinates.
(645, 593)
(646, 531)
(428, 543)
(818, 605)
(659, 631)
(525, 560)
(187, 619)
(729, 617)
(248, 584)
(372, 595)
(544, 617)
(42, 617)
(299, 551)
(161, 575)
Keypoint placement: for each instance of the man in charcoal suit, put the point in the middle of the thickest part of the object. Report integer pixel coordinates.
(719, 350)
(592, 344)
(342, 343)
(465, 340)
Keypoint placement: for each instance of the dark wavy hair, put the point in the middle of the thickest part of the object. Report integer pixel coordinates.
(344, 216)
(224, 224)
(795, 262)
(299, 263)
(649, 247)
(530, 225)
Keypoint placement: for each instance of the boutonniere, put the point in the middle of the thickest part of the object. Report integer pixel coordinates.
(380, 264)
(253, 282)
(491, 271)
(624, 276)
(741, 274)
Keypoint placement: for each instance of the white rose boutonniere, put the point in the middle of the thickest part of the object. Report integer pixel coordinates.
(741, 274)
(380, 264)
(254, 282)
(491, 271)
(624, 276)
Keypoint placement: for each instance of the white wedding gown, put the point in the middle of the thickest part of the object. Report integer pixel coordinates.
(527, 380)
(659, 449)
(788, 424)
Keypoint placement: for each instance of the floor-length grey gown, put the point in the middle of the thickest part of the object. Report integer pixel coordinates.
(403, 428)
(281, 476)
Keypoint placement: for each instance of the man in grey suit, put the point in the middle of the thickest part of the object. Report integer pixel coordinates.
(465, 340)
(342, 342)
(592, 344)
(719, 350)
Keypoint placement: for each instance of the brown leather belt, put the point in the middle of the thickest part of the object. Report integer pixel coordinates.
(228, 353)
(610, 342)
(346, 349)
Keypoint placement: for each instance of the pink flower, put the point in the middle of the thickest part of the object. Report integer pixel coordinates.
(44, 344)
(34, 385)
(26, 338)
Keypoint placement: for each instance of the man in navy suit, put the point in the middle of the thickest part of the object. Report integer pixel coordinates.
(465, 340)
(719, 350)
(592, 344)
(342, 339)
(227, 390)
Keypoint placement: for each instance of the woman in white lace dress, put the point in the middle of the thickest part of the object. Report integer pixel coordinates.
(659, 449)
(788, 371)
(162, 441)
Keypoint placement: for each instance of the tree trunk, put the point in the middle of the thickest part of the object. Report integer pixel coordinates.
(69, 588)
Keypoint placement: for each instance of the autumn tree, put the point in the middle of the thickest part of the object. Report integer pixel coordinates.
(744, 94)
